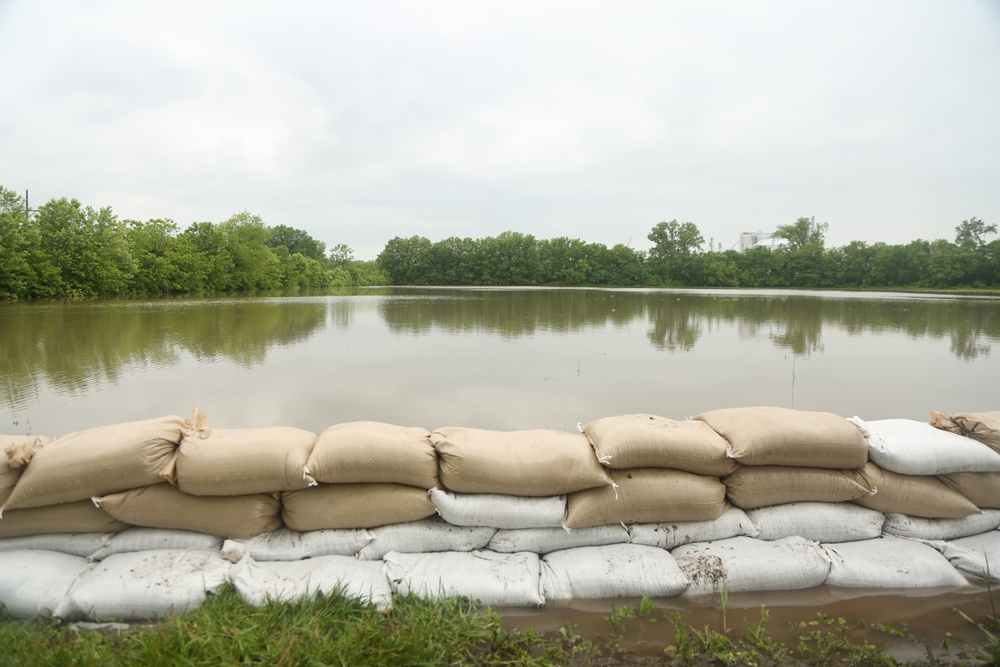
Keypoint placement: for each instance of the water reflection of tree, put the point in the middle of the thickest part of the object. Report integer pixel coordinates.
(678, 319)
(69, 345)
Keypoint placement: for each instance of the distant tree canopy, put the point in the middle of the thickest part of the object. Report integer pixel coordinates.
(67, 250)
(677, 258)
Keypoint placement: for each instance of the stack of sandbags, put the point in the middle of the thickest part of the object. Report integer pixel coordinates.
(226, 481)
(663, 471)
(797, 458)
(908, 460)
(53, 492)
(367, 474)
(511, 480)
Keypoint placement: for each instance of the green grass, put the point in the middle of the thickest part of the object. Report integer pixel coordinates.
(338, 631)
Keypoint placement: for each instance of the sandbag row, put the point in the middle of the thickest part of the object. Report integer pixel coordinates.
(172, 473)
(144, 573)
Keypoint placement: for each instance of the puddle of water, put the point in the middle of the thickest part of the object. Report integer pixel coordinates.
(926, 618)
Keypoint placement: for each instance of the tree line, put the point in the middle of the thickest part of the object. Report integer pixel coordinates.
(677, 258)
(67, 250)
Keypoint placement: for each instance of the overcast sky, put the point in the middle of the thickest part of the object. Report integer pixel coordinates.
(362, 121)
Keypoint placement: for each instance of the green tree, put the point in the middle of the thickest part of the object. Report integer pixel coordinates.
(969, 234)
(674, 246)
(26, 272)
(89, 248)
(297, 241)
(801, 233)
(406, 261)
(254, 266)
(509, 259)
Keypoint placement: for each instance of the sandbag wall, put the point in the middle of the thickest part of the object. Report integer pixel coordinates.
(145, 519)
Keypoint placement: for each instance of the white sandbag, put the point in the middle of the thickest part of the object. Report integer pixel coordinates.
(734, 522)
(890, 562)
(286, 544)
(148, 584)
(97, 461)
(975, 556)
(491, 578)
(910, 447)
(785, 437)
(903, 525)
(260, 581)
(499, 511)
(611, 571)
(149, 539)
(746, 564)
(75, 544)
(543, 540)
(649, 441)
(429, 535)
(37, 582)
(820, 522)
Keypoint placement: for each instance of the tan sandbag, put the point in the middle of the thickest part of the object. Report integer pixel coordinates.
(517, 463)
(648, 441)
(647, 495)
(18, 451)
(79, 517)
(751, 487)
(329, 506)
(98, 461)
(163, 506)
(982, 488)
(374, 453)
(915, 495)
(781, 436)
(238, 462)
(981, 426)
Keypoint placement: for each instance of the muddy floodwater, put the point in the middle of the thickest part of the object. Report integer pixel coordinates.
(511, 359)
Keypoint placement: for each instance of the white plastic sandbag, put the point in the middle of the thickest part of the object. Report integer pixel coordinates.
(429, 535)
(148, 539)
(890, 562)
(35, 582)
(746, 564)
(820, 522)
(498, 510)
(543, 540)
(611, 571)
(486, 576)
(148, 584)
(922, 528)
(286, 544)
(734, 522)
(260, 581)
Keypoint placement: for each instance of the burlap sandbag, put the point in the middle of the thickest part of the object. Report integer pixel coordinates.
(16, 451)
(99, 461)
(982, 488)
(914, 495)
(354, 506)
(163, 506)
(981, 426)
(760, 486)
(781, 436)
(79, 517)
(647, 495)
(374, 452)
(236, 462)
(648, 441)
(518, 463)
